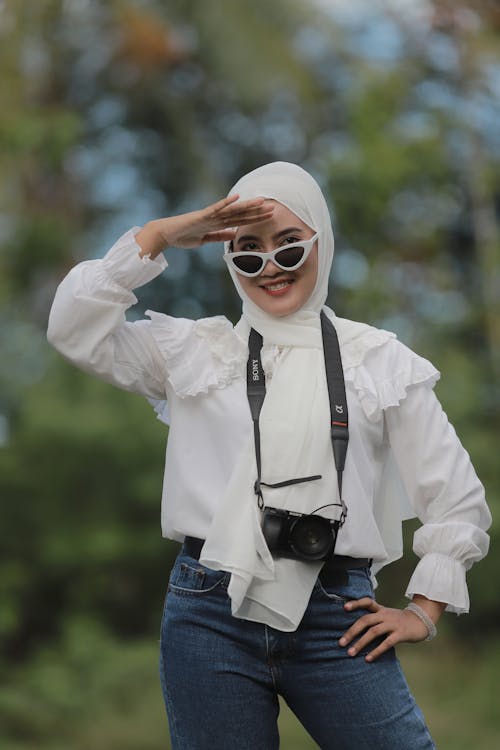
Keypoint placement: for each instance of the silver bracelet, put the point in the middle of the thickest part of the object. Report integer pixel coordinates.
(422, 615)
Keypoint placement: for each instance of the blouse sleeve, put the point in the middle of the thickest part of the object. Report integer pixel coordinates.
(446, 494)
(87, 322)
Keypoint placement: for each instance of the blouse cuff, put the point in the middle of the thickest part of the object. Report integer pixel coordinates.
(442, 579)
(126, 268)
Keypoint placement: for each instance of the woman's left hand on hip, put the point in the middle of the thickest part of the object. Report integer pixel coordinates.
(393, 625)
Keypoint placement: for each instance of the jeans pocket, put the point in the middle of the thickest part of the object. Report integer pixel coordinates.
(329, 592)
(355, 585)
(189, 577)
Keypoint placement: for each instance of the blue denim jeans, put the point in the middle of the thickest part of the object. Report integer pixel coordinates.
(221, 676)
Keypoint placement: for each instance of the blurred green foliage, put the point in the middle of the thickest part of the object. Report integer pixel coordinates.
(116, 112)
(82, 475)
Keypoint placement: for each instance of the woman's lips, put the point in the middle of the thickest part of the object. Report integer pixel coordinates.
(277, 288)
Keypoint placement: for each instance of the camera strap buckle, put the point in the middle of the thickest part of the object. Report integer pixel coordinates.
(258, 491)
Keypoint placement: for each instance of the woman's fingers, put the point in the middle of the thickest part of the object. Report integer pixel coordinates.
(223, 235)
(361, 624)
(395, 624)
(228, 212)
(365, 603)
(386, 645)
(376, 629)
(231, 204)
(215, 208)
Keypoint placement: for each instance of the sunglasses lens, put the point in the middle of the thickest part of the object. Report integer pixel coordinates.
(248, 263)
(290, 257)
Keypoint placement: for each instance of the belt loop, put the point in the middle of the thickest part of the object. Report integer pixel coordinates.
(192, 546)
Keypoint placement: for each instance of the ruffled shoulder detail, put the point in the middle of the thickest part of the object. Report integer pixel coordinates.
(386, 373)
(199, 354)
(357, 339)
(229, 352)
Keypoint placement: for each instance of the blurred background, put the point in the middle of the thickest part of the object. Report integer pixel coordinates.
(116, 112)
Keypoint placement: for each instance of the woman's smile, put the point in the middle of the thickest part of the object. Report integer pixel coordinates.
(277, 288)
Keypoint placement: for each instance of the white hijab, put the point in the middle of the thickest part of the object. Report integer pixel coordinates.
(294, 427)
(299, 192)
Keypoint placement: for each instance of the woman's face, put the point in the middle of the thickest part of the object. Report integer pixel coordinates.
(275, 291)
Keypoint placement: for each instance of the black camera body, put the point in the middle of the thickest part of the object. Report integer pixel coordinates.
(300, 536)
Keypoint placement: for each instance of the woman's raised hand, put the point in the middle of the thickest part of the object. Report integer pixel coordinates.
(210, 224)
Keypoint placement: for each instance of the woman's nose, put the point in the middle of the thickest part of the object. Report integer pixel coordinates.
(270, 269)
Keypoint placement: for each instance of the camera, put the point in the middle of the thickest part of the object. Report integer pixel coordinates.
(300, 536)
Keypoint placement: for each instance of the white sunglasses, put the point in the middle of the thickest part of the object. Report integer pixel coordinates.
(287, 257)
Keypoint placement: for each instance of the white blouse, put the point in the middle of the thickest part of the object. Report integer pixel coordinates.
(404, 458)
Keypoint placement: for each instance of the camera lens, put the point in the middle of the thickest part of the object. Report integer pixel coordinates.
(311, 538)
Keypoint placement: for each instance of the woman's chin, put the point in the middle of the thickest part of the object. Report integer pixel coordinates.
(279, 307)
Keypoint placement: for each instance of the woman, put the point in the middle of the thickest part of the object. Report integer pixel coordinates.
(243, 624)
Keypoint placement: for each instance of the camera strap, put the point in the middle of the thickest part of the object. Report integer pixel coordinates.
(339, 417)
(256, 392)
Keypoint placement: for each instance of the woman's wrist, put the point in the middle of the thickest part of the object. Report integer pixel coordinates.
(433, 608)
(151, 239)
(428, 611)
(423, 617)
